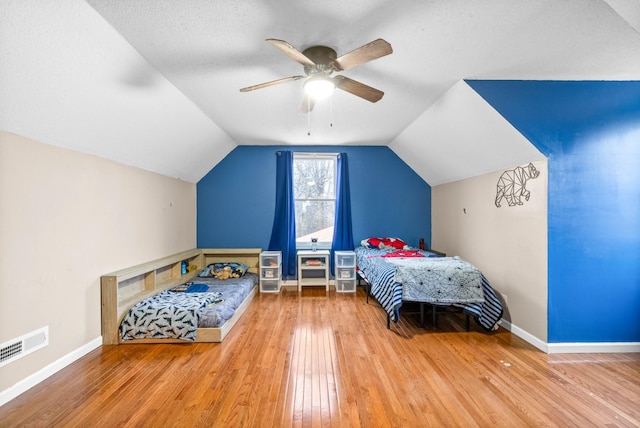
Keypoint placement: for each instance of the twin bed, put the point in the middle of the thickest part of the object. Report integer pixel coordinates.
(398, 274)
(179, 298)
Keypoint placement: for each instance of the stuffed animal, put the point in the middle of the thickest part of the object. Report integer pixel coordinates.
(225, 273)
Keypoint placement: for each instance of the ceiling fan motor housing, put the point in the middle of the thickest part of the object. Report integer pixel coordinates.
(324, 59)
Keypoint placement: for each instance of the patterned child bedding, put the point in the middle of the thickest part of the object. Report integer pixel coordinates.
(420, 276)
(177, 314)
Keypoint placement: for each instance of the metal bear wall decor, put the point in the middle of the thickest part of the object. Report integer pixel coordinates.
(511, 184)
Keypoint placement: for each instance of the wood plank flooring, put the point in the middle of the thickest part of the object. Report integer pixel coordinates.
(317, 359)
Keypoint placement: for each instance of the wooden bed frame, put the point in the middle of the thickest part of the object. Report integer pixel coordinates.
(124, 288)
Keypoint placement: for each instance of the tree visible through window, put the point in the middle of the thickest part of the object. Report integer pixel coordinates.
(314, 191)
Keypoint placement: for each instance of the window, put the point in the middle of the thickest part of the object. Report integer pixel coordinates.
(314, 191)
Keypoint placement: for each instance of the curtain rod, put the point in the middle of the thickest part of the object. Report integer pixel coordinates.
(309, 154)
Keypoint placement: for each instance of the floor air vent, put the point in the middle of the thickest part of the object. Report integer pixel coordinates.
(24, 345)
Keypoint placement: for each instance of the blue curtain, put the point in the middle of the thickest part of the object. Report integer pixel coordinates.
(342, 231)
(283, 234)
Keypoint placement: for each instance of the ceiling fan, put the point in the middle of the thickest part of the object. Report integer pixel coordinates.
(320, 62)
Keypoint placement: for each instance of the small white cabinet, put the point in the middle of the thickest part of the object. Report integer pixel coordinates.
(313, 268)
(345, 271)
(270, 271)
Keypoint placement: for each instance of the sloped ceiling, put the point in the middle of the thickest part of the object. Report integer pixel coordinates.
(155, 83)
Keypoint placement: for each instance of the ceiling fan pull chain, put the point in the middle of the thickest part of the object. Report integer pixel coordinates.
(331, 111)
(309, 117)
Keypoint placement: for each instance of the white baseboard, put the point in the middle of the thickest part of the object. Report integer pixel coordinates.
(528, 337)
(593, 348)
(31, 381)
(572, 348)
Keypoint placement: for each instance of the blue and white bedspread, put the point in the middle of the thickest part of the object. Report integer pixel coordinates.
(166, 315)
(438, 281)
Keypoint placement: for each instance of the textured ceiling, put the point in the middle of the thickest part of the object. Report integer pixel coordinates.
(155, 83)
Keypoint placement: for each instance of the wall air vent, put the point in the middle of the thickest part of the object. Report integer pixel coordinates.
(23, 345)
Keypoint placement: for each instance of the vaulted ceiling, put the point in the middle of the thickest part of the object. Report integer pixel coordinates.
(155, 83)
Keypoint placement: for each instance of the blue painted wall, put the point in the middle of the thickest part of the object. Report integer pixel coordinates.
(236, 199)
(590, 132)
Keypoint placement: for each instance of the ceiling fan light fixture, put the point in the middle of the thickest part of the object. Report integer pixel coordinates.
(319, 87)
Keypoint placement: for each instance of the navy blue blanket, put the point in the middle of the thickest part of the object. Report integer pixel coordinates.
(197, 288)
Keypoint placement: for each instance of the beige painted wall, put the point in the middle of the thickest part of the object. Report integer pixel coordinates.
(508, 244)
(65, 219)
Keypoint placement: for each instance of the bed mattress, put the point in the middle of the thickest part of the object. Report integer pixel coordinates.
(232, 291)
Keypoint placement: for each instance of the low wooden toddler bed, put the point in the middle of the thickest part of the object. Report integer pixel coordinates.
(179, 298)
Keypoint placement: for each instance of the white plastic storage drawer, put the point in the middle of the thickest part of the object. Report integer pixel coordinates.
(345, 258)
(267, 285)
(270, 272)
(345, 285)
(345, 273)
(270, 258)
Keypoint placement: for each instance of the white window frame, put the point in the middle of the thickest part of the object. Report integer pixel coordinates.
(326, 245)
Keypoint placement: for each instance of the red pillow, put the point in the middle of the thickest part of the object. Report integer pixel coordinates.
(384, 243)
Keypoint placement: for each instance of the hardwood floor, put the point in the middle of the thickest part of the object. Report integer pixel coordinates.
(311, 359)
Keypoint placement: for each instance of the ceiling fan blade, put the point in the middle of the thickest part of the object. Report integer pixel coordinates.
(273, 82)
(358, 89)
(307, 104)
(374, 50)
(291, 52)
